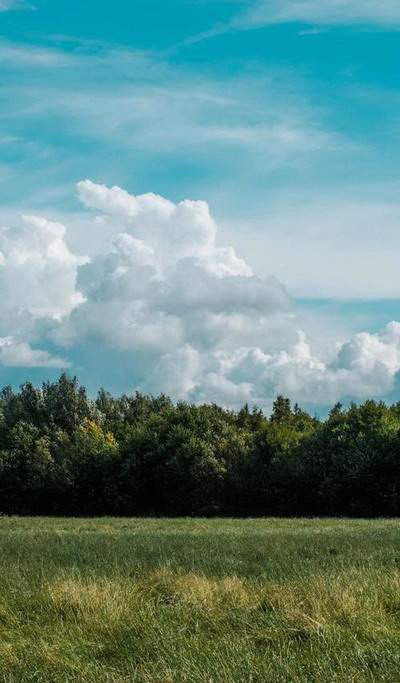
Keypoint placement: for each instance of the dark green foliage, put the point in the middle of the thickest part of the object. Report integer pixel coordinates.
(62, 453)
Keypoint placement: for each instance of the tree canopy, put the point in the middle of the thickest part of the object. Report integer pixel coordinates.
(62, 452)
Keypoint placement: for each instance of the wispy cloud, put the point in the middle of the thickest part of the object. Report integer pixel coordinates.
(7, 5)
(325, 12)
(139, 101)
(312, 31)
(31, 56)
(82, 54)
(316, 13)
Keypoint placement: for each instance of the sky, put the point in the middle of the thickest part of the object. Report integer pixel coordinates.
(202, 197)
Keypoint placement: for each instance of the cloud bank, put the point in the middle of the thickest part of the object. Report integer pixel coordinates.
(188, 310)
(364, 366)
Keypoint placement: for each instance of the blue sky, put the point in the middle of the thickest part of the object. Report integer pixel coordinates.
(282, 115)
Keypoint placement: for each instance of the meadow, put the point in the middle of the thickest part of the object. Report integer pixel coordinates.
(220, 600)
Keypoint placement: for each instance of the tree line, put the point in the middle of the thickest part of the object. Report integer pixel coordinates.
(62, 453)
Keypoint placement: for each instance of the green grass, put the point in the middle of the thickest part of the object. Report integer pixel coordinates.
(195, 600)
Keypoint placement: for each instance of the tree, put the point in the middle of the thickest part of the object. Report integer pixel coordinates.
(281, 411)
(92, 456)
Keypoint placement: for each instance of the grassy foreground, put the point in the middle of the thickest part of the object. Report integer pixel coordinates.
(197, 600)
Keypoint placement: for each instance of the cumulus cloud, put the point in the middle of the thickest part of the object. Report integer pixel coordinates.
(37, 270)
(178, 371)
(384, 12)
(364, 366)
(202, 318)
(190, 311)
(166, 282)
(15, 353)
(38, 288)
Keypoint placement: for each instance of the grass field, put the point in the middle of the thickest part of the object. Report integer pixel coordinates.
(199, 600)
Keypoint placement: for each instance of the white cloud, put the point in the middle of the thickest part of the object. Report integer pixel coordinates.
(31, 56)
(178, 372)
(264, 115)
(38, 288)
(201, 323)
(383, 12)
(85, 56)
(209, 329)
(37, 270)
(166, 283)
(365, 366)
(316, 13)
(20, 354)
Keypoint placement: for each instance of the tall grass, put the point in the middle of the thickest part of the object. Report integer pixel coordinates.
(194, 600)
